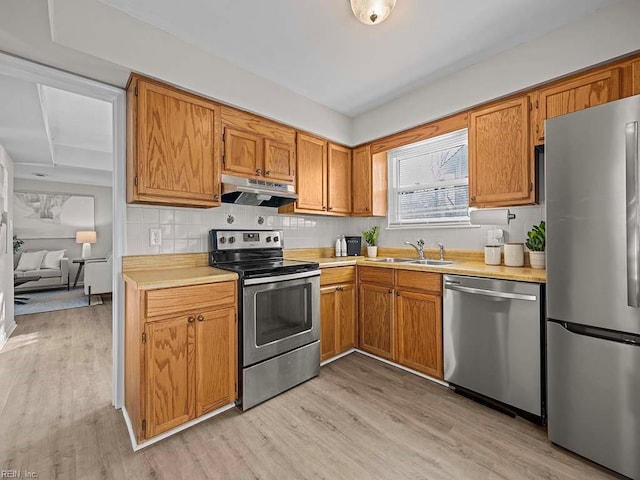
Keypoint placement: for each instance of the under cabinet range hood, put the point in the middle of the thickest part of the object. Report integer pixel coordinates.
(260, 193)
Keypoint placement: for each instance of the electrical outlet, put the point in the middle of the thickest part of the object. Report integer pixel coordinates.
(495, 237)
(155, 237)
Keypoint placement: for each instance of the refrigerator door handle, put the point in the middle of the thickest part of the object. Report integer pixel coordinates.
(633, 222)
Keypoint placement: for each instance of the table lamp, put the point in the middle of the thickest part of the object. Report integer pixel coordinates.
(86, 239)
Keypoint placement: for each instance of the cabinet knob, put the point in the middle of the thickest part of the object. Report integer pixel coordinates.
(259, 171)
(390, 291)
(473, 198)
(200, 318)
(216, 196)
(191, 319)
(324, 208)
(267, 173)
(330, 208)
(397, 294)
(366, 209)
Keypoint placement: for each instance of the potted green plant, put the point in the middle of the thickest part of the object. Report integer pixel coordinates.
(536, 241)
(17, 244)
(371, 237)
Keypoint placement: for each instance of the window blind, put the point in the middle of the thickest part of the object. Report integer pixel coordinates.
(430, 181)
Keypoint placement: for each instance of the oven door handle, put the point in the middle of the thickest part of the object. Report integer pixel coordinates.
(281, 278)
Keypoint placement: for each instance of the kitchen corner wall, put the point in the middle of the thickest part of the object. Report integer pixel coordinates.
(186, 230)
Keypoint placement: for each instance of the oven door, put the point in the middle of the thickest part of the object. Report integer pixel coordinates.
(280, 314)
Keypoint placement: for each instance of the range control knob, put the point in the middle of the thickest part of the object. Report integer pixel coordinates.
(232, 239)
(276, 239)
(268, 239)
(222, 240)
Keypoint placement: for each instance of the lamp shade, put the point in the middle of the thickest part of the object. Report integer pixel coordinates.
(372, 12)
(85, 237)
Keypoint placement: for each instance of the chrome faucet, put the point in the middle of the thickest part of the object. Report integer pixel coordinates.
(441, 247)
(419, 246)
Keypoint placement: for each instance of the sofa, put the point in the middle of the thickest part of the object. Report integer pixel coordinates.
(50, 277)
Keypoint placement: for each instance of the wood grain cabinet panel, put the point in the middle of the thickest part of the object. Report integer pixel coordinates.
(243, 153)
(279, 161)
(311, 176)
(173, 148)
(170, 374)
(635, 78)
(419, 318)
(328, 322)
(577, 94)
(347, 308)
(216, 359)
(377, 323)
(339, 178)
(501, 171)
(369, 183)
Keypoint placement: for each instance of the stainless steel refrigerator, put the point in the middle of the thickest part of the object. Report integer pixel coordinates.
(593, 265)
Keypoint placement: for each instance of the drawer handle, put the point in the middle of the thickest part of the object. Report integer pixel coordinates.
(490, 293)
(191, 319)
(200, 318)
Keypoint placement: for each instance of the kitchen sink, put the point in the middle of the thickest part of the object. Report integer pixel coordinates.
(392, 260)
(435, 263)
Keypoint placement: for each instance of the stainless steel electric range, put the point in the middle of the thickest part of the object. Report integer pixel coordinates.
(278, 309)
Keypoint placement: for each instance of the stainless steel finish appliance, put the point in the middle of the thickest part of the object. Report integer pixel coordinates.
(279, 311)
(593, 297)
(492, 340)
(248, 191)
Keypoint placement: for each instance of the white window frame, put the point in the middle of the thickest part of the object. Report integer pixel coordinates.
(393, 196)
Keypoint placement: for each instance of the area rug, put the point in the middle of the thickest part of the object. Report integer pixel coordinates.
(51, 300)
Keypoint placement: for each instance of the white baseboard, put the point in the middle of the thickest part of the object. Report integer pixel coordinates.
(388, 362)
(139, 446)
(5, 336)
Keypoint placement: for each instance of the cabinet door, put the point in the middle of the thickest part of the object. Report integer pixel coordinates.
(328, 322)
(500, 158)
(346, 334)
(362, 181)
(577, 94)
(216, 359)
(635, 80)
(419, 318)
(170, 374)
(311, 175)
(243, 153)
(339, 178)
(377, 326)
(177, 152)
(279, 161)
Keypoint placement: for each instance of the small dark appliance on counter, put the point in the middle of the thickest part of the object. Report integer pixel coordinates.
(354, 246)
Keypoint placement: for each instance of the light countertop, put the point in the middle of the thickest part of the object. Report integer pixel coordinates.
(471, 268)
(176, 277)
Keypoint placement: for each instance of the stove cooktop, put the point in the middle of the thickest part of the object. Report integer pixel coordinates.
(266, 268)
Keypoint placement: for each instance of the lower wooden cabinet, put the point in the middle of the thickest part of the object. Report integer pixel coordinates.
(419, 317)
(400, 317)
(337, 312)
(180, 365)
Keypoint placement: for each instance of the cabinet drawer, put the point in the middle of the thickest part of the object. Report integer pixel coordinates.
(427, 281)
(169, 301)
(382, 276)
(333, 275)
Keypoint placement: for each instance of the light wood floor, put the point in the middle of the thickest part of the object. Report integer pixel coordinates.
(360, 419)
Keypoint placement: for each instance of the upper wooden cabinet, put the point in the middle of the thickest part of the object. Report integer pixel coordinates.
(576, 94)
(501, 168)
(635, 78)
(173, 146)
(369, 183)
(339, 178)
(258, 148)
(311, 183)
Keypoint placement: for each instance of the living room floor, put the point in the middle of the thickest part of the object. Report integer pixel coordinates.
(360, 419)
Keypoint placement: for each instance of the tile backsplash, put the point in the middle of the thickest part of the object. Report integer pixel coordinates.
(185, 230)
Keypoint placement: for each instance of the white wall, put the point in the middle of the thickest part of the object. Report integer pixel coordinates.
(7, 323)
(103, 219)
(595, 39)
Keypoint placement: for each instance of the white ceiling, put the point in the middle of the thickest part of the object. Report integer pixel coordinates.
(65, 136)
(318, 49)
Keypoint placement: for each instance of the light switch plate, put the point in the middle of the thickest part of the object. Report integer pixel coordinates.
(155, 237)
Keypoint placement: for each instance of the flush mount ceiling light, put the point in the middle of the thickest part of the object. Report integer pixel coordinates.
(372, 12)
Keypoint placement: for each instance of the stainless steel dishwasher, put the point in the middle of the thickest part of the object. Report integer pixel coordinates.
(493, 342)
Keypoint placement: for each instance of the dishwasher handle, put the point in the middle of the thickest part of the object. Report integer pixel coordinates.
(488, 293)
